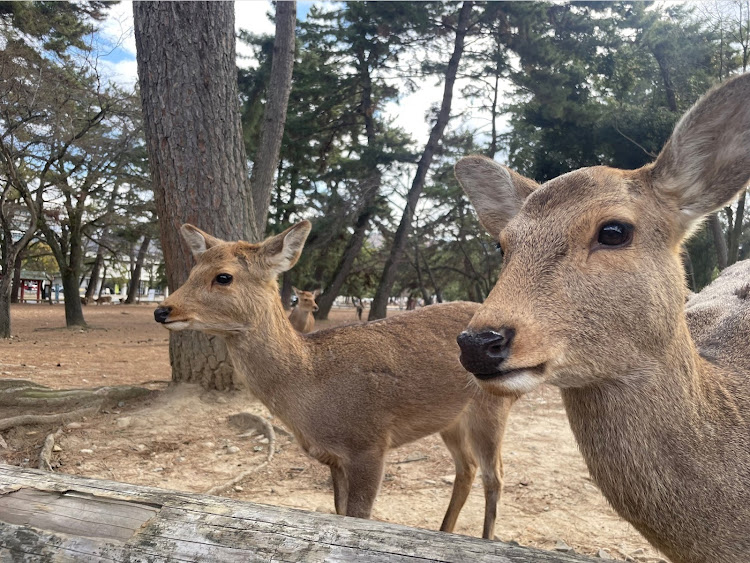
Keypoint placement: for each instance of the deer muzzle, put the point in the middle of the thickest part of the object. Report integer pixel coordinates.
(483, 353)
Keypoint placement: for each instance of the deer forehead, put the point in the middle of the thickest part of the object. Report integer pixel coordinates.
(230, 255)
(578, 203)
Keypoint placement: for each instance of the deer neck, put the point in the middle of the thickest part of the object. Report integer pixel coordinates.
(663, 442)
(272, 359)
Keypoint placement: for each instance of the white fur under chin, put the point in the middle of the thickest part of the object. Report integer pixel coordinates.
(177, 325)
(518, 383)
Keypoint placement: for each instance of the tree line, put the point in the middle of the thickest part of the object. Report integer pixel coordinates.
(543, 87)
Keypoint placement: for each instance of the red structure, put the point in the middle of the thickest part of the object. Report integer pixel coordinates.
(31, 282)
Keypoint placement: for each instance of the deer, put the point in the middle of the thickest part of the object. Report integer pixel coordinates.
(301, 316)
(592, 299)
(351, 393)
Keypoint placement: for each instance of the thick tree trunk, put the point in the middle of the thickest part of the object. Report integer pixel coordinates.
(719, 241)
(380, 301)
(274, 114)
(73, 311)
(135, 279)
(188, 78)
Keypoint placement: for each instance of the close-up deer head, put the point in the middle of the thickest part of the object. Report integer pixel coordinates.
(231, 282)
(592, 287)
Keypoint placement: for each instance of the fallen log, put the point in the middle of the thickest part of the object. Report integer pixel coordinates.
(50, 516)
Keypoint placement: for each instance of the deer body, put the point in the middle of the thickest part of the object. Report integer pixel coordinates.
(591, 298)
(301, 316)
(348, 394)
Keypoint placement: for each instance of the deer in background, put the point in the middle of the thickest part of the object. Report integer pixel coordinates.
(591, 298)
(349, 394)
(301, 316)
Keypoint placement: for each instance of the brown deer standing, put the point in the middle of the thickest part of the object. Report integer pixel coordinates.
(592, 299)
(301, 316)
(350, 393)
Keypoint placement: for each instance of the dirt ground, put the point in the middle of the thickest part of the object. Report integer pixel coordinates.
(179, 438)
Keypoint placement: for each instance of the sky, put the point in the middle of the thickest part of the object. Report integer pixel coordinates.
(117, 45)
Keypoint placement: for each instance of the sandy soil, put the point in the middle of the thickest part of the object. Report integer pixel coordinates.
(179, 438)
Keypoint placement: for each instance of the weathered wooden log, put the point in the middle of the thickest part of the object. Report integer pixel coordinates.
(46, 516)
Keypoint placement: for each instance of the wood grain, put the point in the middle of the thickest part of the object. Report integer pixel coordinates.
(47, 516)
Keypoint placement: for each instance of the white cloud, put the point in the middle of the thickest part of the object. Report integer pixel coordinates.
(411, 112)
(251, 15)
(123, 73)
(117, 29)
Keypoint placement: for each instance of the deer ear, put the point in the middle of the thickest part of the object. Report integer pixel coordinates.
(295, 291)
(198, 241)
(706, 161)
(316, 292)
(282, 251)
(496, 192)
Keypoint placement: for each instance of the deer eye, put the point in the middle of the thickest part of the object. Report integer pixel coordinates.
(223, 279)
(615, 234)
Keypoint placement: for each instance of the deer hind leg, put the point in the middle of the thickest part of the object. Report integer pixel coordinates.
(486, 422)
(455, 439)
(340, 489)
(364, 473)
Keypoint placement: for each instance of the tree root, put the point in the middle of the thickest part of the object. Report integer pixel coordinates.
(31, 395)
(45, 456)
(231, 483)
(27, 419)
(250, 424)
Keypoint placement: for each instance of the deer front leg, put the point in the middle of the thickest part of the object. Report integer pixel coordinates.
(340, 489)
(466, 468)
(364, 474)
(486, 431)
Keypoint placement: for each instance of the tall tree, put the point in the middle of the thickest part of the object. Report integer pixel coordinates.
(380, 301)
(67, 137)
(188, 78)
(43, 115)
(274, 114)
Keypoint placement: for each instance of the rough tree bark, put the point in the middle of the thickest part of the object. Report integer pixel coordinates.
(188, 78)
(274, 114)
(379, 305)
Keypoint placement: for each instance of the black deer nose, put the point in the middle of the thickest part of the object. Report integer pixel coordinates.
(483, 353)
(161, 314)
